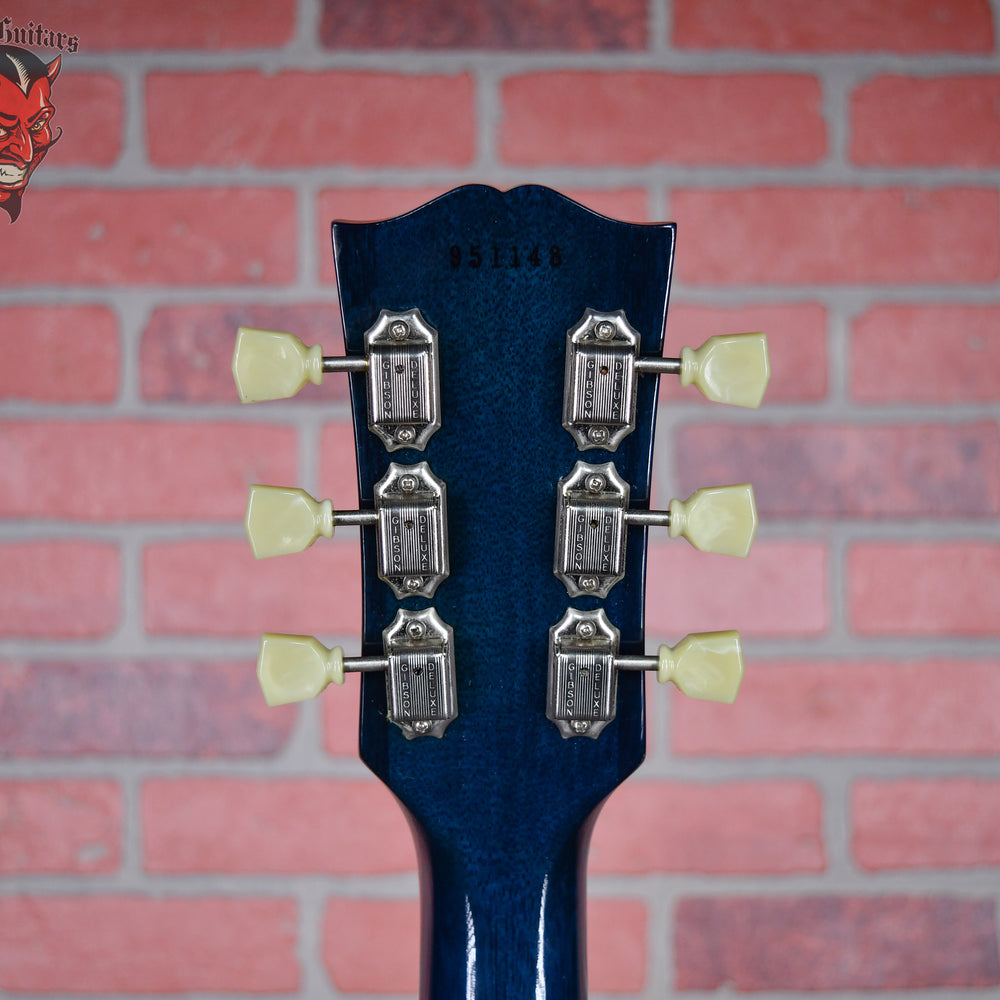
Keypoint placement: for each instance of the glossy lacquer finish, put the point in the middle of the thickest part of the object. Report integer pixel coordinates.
(502, 806)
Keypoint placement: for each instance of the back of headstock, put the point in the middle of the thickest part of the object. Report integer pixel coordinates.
(545, 717)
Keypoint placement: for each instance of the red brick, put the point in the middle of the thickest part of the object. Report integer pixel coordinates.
(59, 354)
(338, 466)
(940, 121)
(940, 588)
(626, 204)
(173, 709)
(873, 470)
(90, 108)
(179, 24)
(60, 826)
(906, 26)
(786, 236)
(780, 590)
(352, 117)
(926, 823)
(340, 719)
(59, 589)
(734, 827)
(849, 707)
(372, 204)
(133, 944)
(796, 340)
(248, 825)
(187, 350)
(589, 118)
(617, 948)
(926, 354)
(372, 946)
(193, 236)
(828, 943)
(138, 470)
(218, 588)
(493, 24)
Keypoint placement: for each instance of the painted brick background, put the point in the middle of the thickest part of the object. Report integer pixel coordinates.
(834, 170)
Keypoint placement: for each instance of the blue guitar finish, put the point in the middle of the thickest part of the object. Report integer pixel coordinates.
(502, 806)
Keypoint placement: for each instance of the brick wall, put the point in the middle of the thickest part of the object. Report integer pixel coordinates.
(834, 172)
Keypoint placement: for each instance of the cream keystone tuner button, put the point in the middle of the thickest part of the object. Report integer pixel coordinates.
(704, 665)
(593, 515)
(731, 369)
(272, 365)
(401, 363)
(296, 667)
(602, 362)
(283, 519)
(584, 665)
(720, 519)
(410, 520)
(418, 660)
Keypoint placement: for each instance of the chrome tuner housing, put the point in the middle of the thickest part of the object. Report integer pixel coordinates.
(583, 681)
(420, 678)
(590, 529)
(404, 392)
(412, 530)
(600, 384)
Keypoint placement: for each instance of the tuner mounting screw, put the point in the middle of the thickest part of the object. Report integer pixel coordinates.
(408, 483)
(595, 483)
(399, 329)
(599, 435)
(421, 726)
(586, 629)
(579, 726)
(413, 582)
(405, 434)
(416, 629)
(604, 330)
(589, 583)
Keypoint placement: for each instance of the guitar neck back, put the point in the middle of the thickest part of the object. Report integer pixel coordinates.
(502, 803)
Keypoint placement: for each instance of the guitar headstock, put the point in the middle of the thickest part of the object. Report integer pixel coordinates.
(509, 336)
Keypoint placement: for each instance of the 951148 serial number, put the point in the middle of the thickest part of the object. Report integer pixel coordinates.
(498, 256)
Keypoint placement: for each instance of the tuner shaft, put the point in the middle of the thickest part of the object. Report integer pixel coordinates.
(344, 365)
(648, 518)
(658, 366)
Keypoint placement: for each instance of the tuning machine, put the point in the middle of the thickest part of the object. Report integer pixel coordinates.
(410, 521)
(401, 362)
(602, 361)
(584, 665)
(593, 515)
(419, 662)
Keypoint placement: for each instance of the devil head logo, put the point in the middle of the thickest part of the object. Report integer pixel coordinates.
(26, 112)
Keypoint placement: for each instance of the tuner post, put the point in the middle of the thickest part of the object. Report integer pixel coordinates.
(584, 665)
(419, 665)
